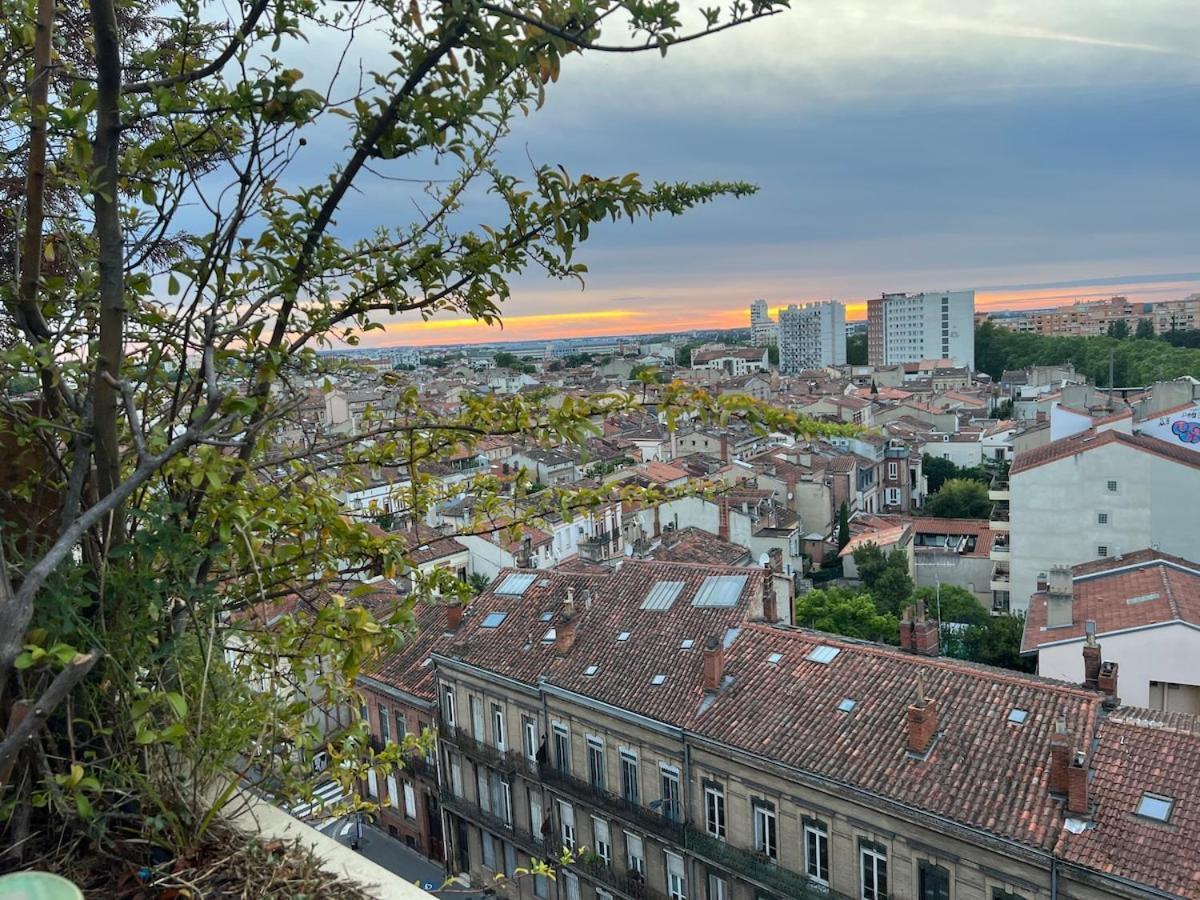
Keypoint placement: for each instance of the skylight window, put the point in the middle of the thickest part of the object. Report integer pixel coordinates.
(774, 658)
(493, 620)
(1156, 806)
(662, 595)
(847, 705)
(623, 636)
(719, 591)
(823, 654)
(687, 644)
(547, 616)
(590, 671)
(1018, 716)
(550, 636)
(515, 584)
(659, 679)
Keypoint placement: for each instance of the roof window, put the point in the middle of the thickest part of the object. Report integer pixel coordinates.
(550, 636)
(623, 636)
(662, 596)
(774, 658)
(590, 671)
(823, 654)
(659, 679)
(515, 584)
(847, 705)
(1018, 716)
(687, 644)
(1156, 806)
(493, 620)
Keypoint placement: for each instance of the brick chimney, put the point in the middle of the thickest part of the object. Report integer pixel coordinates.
(454, 615)
(918, 634)
(1060, 758)
(1059, 598)
(1077, 785)
(1091, 659)
(1107, 682)
(714, 665)
(922, 720)
(564, 632)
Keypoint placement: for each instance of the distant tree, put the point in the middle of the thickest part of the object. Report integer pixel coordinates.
(843, 535)
(773, 355)
(856, 350)
(1145, 330)
(477, 582)
(938, 470)
(952, 604)
(1004, 410)
(1189, 338)
(1118, 329)
(555, 366)
(997, 642)
(885, 576)
(960, 498)
(846, 612)
(684, 356)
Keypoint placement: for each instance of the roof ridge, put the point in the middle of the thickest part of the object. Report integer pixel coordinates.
(1162, 573)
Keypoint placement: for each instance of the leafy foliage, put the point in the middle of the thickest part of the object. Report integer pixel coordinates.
(960, 498)
(856, 349)
(937, 470)
(885, 576)
(846, 612)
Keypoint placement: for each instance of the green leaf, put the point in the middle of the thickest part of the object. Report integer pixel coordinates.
(177, 703)
(84, 805)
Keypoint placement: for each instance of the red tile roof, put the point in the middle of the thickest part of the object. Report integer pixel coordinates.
(1090, 440)
(695, 545)
(1143, 751)
(1133, 591)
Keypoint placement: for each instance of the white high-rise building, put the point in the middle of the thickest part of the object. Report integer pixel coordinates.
(763, 331)
(912, 327)
(811, 336)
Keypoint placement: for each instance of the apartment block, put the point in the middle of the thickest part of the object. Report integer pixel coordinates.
(764, 332)
(661, 726)
(905, 328)
(812, 336)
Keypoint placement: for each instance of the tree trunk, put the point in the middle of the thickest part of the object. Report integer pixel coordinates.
(111, 259)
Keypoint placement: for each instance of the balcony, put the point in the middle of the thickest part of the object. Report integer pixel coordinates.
(998, 489)
(627, 882)
(527, 841)
(1000, 577)
(503, 761)
(419, 767)
(1001, 548)
(631, 812)
(998, 519)
(757, 868)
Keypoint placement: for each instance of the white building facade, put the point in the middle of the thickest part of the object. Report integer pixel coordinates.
(812, 336)
(764, 332)
(911, 327)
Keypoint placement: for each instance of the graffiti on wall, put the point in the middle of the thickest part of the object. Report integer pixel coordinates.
(1188, 432)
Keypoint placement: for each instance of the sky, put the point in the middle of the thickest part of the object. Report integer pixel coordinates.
(1038, 152)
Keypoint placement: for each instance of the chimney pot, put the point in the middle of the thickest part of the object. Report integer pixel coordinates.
(1060, 758)
(569, 604)
(921, 720)
(454, 615)
(714, 665)
(1107, 682)
(1091, 663)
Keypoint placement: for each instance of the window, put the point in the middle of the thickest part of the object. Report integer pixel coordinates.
(874, 870)
(635, 853)
(541, 887)
(504, 801)
(456, 776)
(401, 726)
(448, 705)
(1155, 806)
(1112, 487)
(718, 888)
(410, 801)
(571, 884)
(529, 737)
(602, 840)
(933, 881)
(1101, 518)
(393, 792)
(510, 858)
(669, 781)
(489, 849)
(535, 815)
(373, 783)
(1102, 550)
(498, 726)
(595, 757)
(1002, 894)
(1018, 716)
(385, 727)
(476, 708)
(629, 777)
(566, 820)
(816, 850)
(893, 472)
(676, 882)
(766, 840)
(714, 811)
(562, 748)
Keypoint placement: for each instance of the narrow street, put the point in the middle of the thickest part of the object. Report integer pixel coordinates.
(394, 856)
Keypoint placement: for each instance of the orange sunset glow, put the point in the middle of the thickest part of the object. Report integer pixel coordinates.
(705, 310)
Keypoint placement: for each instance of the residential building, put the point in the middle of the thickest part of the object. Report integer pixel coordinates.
(1144, 608)
(1095, 495)
(733, 361)
(913, 327)
(763, 331)
(650, 726)
(812, 336)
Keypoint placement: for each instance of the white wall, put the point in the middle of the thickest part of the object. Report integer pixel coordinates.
(1167, 653)
(1179, 428)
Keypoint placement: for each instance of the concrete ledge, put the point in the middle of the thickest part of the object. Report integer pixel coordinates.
(258, 817)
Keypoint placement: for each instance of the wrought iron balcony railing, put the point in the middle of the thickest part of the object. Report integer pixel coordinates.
(649, 819)
(759, 868)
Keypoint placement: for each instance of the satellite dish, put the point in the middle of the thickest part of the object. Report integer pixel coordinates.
(764, 560)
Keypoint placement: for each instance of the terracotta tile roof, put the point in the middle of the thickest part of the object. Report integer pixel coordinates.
(1143, 751)
(1090, 440)
(694, 545)
(408, 670)
(981, 771)
(1133, 591)
(427, 544)
(884, 538)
